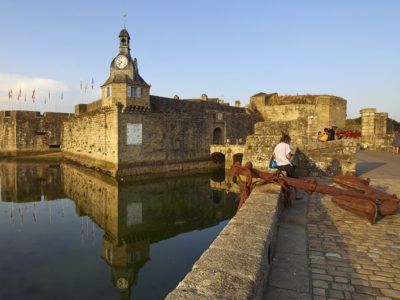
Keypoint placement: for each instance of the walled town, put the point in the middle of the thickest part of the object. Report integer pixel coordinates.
(128, 132)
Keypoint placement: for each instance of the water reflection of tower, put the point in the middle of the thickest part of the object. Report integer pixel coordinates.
(125, 259)
(97, 196)
(136, 215)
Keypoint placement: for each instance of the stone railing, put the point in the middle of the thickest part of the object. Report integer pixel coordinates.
(236, 265)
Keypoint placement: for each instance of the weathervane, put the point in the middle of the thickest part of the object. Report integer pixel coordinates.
(124, 19)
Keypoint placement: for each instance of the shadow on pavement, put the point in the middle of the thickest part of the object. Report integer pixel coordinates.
(364, 167)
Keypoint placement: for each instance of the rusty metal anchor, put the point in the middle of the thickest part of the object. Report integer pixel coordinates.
(357, 197)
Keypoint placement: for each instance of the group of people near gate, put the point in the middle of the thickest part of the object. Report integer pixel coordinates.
(283, 156)
(330, 134)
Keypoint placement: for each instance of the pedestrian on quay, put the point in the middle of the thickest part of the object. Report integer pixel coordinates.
(318, 136)
(396, 142)
(324, 136)
(331, 134)
(284, 157)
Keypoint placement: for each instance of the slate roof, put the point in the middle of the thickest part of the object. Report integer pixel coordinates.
(124, 33)
(125, 79)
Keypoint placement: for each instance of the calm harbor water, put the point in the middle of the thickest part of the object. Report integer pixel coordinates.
(71, 233)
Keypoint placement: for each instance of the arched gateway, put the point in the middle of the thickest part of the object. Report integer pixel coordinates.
(217, 136)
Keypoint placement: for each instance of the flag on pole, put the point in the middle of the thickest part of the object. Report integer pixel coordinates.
(62, 95)
(33, 95)
(25, 97)
(92, 83)
(45, 98)
(10, 94)
(49, 95)
(81, 85)
(19, 94)
(85, 87)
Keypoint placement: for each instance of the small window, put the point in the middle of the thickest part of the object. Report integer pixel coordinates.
(220, 116)
(41, 132)
(7, 113)
(108, 91)
(129, 91)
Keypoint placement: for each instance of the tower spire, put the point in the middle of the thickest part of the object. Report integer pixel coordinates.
(124, 18)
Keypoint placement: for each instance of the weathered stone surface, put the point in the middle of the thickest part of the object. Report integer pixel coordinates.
(367, 267)
(30, 132)
(283, 294)
(326, 111)
(236, 264)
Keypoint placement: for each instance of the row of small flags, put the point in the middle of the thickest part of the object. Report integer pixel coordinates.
(86, 86)
(10, 95)
(47, 97)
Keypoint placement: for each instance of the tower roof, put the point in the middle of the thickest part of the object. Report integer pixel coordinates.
(124, 33)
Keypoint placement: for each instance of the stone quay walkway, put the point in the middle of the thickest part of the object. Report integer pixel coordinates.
(325, 252)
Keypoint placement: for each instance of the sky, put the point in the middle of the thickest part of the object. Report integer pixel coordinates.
(230, 49)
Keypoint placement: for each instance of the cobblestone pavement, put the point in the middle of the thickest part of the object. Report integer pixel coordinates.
(349, 258)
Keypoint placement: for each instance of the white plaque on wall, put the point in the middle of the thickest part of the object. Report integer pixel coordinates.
(134, 214)
(133, 134)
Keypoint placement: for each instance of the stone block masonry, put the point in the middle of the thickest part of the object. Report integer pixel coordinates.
(236, 265)
(321, 159)
(327, 159)
(174, 135)
(92, 139)
(30, 132)
(350, 259)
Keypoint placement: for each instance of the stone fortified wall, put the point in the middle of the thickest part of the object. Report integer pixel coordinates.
(30, 131)
(312, 112)
(373, 123)
(91, 139)
(237, 263)
(173, 135)
(329, 158)
(8, 134)
(374, 130)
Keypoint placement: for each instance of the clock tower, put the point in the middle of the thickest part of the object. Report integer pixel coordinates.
(125, 86)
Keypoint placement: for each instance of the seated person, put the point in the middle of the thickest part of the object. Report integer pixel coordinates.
(283, 155)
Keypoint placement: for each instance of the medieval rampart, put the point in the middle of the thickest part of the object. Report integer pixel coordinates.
(320, 159)
(30, 131)
(7, 134)
(237, 263)
(313, 112)
(173, 135)
(92, 139)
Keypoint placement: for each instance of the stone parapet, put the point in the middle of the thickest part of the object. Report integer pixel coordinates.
(377, 142)
(328, 158)
(320, 159)
(237, 263)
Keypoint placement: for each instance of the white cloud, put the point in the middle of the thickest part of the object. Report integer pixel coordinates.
(26, 84)
(42, 87)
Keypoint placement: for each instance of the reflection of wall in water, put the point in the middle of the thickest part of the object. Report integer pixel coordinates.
(137, 214)
(28, 182)
(176, 204)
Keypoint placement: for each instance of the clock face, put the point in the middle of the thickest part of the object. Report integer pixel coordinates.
(121, 61)
(122, 283)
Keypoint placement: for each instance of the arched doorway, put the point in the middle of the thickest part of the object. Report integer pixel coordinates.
(217, 136)
(238, 157)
